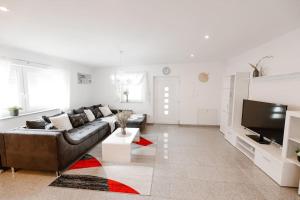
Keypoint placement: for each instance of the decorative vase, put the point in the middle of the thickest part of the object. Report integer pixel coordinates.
(14, 112)
(255, 73)
(123, 130)
(298, 158)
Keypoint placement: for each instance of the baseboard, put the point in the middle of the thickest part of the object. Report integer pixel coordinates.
(187, 125)
(199, 125)
(149, 124)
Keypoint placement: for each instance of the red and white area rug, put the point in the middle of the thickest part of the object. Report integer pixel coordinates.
(93, 174)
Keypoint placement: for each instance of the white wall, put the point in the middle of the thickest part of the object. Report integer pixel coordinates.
(79, 94)
(286, 52)
(194, 95)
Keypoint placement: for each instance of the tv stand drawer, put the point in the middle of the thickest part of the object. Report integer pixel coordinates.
(269, 165)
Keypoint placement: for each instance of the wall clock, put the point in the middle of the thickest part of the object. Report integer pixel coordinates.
(166, 70)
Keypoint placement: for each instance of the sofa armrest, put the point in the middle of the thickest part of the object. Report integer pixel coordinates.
(31, 149)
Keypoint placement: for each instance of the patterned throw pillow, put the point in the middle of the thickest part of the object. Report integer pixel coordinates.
(47, 118)
(76, 120)
(35, 124)
(105, 111)
(85, 118)
(97, 106)
(79, 110)
(97, 113)
(61, 122)
(89, 115)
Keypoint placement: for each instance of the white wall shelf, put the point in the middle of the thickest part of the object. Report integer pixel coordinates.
(278, 76)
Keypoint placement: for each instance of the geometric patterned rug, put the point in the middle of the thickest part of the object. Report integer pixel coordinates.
(132, 178)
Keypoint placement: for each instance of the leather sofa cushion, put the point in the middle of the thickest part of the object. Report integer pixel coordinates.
(137, 121)
(80, 134)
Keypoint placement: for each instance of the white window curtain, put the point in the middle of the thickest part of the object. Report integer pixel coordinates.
(32, 88)
(131, 87)
(46, 88)
(9, 87)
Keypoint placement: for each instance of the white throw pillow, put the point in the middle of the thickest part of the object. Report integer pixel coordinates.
(61, 122)
(89, 115)
(105, 111)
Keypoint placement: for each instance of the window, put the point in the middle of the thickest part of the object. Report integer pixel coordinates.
(31, 88)
(166, 101)
(10, 88)
(131, 87)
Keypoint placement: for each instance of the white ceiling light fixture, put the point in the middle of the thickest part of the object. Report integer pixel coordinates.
(121, 54)
(192, 55)
(4, 9)
(206, 37)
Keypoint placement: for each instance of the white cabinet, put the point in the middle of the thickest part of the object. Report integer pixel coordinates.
(291, 142)
(269, 159)
(279, 169)
(269, 165)
(280, 164)
(235, 89)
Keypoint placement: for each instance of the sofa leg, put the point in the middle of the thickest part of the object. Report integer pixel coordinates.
(58, 174)
(12, 171)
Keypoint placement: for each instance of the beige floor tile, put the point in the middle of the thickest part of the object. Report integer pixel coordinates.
(191, 163)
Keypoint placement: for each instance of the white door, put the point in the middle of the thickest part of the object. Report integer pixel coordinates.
(166, 100)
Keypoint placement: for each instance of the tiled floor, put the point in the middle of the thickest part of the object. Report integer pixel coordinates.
(191, 163)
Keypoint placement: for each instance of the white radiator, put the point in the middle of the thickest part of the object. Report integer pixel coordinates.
(207, 117)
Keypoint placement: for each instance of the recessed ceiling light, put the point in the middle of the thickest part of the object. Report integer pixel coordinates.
(4, 9)
(206, 37)
(192, 55)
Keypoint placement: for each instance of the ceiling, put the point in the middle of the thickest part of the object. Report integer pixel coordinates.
(149, 32)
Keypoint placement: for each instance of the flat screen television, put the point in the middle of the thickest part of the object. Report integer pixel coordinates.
(265, 119)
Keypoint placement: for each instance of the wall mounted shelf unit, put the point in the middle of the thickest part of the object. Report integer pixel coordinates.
(277, 77)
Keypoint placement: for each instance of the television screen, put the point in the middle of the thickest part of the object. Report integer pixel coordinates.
(266, 119)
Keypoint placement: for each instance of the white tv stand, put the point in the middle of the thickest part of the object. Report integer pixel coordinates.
(268, 158)
(279, 163)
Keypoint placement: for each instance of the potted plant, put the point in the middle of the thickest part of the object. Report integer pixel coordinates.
(122, 119)
(298, 154)
(255, 67)
(255, 72)
(14, 111)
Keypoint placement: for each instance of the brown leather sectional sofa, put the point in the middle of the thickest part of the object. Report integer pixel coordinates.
(53, 150)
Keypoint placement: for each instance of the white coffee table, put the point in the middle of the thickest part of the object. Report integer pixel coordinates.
(117, 148)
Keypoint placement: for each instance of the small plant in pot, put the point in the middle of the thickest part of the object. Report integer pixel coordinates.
(14, 111)
(298, 154)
